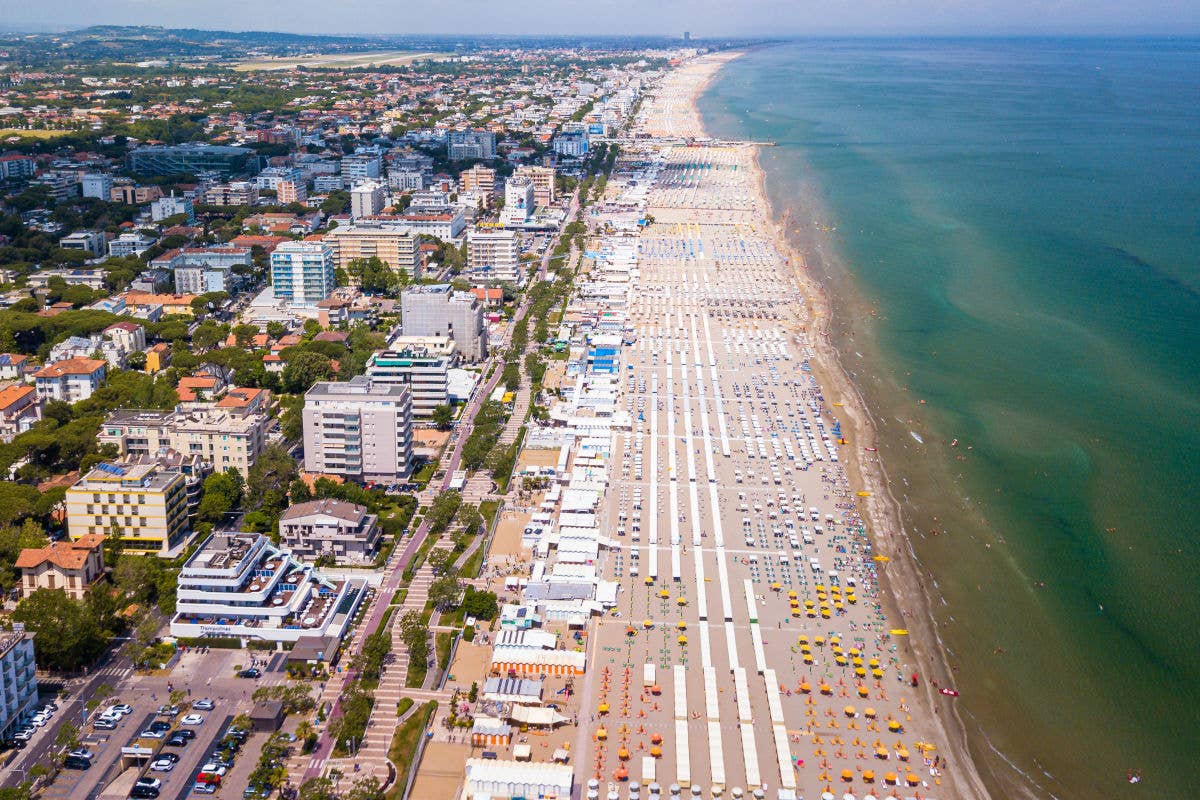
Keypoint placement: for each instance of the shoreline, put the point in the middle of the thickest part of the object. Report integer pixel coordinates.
(901, 592)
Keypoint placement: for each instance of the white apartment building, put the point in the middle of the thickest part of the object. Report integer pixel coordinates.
(18, 678)
(165, 207)
(545, 190)
(129, 244)
(519, 202)
(93, 243)
(493, 256)
(359, 429)
(239, 585)
(438, 310)
(302, 272)
(367, 199)
(335, 528)
(424, 372)
(96, 184)
(360, 167)
(72, 379)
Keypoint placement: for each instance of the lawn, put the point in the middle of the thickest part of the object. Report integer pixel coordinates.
(404, 747)
(34, 134)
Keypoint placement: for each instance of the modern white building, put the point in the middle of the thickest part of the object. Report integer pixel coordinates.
(519, 202)
(91, 242)
(96, 184)
(424, 372)
(544, 188)
(129, 244)
(367, 199)
(172, 206)
(239, 585)
(360, 167)
(359, 429)
(571, 144)
(302, 272)
(493, 256)
(438, 310)
(18, 678)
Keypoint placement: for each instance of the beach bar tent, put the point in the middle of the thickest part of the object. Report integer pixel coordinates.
(508, 779)
(536, 717)
(490, 731)
(522, 691)
(528, 661)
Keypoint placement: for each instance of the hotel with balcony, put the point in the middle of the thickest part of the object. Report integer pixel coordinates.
(240, 585)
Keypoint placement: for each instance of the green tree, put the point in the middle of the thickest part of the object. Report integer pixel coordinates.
(481, 605)
(276, 330)
(65, 635)
(269, 477)
(244, 334)
(136, 360)
(443, 416)
(222, 492)
(306, 369)
(444, 592)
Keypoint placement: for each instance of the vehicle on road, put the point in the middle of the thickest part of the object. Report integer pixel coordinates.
(253, 672)
(203, 705)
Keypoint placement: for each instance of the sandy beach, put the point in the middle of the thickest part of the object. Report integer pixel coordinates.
(904, 594)
(848, 733)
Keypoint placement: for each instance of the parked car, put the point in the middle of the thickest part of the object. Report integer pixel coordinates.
(204, 705)
(153, 783)
(144, 793)
(162, 765)
(105, 724)
(75, 762)
(192, 719)
(82, 752)
(168, 711)
(175, 740)
(159, 725)
(150, 733)
(200, 787)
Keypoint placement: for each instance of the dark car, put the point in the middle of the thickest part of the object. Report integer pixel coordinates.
(144, 793)
(253, 672)
(176, 740)
(159, 725)
(75, 762)
(185, 733)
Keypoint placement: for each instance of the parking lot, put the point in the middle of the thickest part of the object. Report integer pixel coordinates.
(210, 675)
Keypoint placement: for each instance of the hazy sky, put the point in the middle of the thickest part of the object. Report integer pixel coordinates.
(701, 17)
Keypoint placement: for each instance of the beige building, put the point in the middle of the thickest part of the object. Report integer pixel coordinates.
(222, 437)
(479, 180)
(544, 192)
(72, 566)
(396, 248)
(146, 504)
(493, 256)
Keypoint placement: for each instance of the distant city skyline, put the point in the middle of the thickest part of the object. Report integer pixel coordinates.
(703, 18)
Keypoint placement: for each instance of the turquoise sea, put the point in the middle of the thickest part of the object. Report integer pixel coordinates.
(1010, 232)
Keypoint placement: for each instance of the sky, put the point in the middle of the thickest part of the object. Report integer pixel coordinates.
(716, 18)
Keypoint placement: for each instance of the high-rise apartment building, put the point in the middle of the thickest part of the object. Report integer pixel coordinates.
(462, 145)
(424, 372)
(18, 678)
(391, 244)
(302, 272)
(519, 203)
(359, 429)
(438, 310)
(367, 199)
(493, 256)
(544, 189)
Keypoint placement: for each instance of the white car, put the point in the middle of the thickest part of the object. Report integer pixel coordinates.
(192, 719)
(149, 734)
(203, 705)
(163, 765)
(213, 769)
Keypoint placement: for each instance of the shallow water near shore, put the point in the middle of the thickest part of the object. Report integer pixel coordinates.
(1008, 232)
